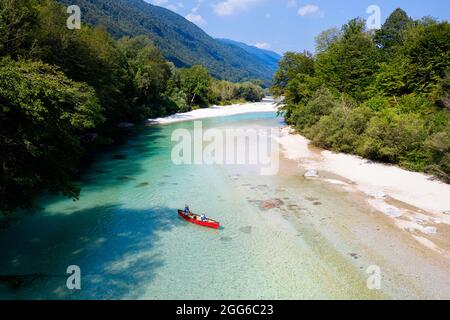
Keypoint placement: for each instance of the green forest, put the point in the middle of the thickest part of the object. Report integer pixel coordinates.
(383, 95)
(180, 41)
(64, 93)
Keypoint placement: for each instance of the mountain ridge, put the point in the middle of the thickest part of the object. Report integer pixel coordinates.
(181, 41)
(269, 57)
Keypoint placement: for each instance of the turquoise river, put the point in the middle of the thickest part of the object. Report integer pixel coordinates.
(125, 235)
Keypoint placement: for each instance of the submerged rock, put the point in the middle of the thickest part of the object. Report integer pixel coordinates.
(143, 184)
(271, 204)
(447, 212)
(354, 255)
(125, 178)
(226, 239)
(246, 230)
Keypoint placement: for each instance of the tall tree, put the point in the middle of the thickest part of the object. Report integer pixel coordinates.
(327, 38)
(391, 33)
(291, 65)
(43, 116)
(196, 84)
(349, 64)
(17, 23)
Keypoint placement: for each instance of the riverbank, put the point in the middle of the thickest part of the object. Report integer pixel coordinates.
(417, 203)
(267, 105)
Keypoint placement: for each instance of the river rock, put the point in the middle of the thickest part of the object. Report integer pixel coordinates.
(311, 174)
(447, 212)
(246, 230)
(143, 184)
(380, 195)
(271, 203)
(393, 212)
(430, 230)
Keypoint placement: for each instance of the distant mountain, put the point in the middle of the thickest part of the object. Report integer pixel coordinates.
(181, 41)
(269, 58)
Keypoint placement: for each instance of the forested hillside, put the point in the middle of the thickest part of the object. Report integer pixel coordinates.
(269, 58)
(384, 95)
(181, 41)
(65, 92)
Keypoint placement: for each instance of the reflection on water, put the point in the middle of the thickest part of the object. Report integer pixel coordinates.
(125, 235)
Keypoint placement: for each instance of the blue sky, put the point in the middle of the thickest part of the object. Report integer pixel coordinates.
(289, 25)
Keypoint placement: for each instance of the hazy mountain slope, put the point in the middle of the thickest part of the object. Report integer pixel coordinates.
(181, 41)
(267, 57)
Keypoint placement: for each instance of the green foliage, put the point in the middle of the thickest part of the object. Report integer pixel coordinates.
(290, 66)
(383, 95)
(392, 31)
(427, 49)
(64, 92)
(43, 116)
(180, 41)
(349, 64)
(17, 21)
(225, 92)
(326, 38)
(196, 84)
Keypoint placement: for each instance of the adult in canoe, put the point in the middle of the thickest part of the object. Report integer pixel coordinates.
(200, 220)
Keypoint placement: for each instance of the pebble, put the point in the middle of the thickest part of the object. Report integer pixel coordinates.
(393, 212)
(430, 230)
(311, 174)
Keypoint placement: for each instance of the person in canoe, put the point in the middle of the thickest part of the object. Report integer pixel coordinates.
(186, 209)
(203, 217)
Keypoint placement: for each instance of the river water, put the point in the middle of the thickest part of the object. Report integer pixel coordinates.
(125, 235)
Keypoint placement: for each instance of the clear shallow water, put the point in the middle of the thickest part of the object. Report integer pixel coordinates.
(125, 235)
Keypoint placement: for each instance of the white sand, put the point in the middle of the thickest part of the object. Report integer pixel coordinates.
(375, 179)
(266, 105)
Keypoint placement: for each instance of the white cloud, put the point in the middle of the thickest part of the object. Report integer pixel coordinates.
(230, 7)
(310, 9)
(262, 45)
(196, 18)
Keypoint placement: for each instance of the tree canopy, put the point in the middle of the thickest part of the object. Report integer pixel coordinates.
(64, 93)
(384, 95)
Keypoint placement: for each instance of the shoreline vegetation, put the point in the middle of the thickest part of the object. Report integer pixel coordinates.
(383, 95)
(65, 94)
(266, 105)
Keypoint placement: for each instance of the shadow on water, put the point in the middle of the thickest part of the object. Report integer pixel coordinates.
(115, 248)
(125, 156)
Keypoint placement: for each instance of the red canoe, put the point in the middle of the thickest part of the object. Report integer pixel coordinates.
(195, 219)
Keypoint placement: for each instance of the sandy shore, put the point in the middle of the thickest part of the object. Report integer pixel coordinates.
(376, 179)
(417, 203)
(266, 105)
